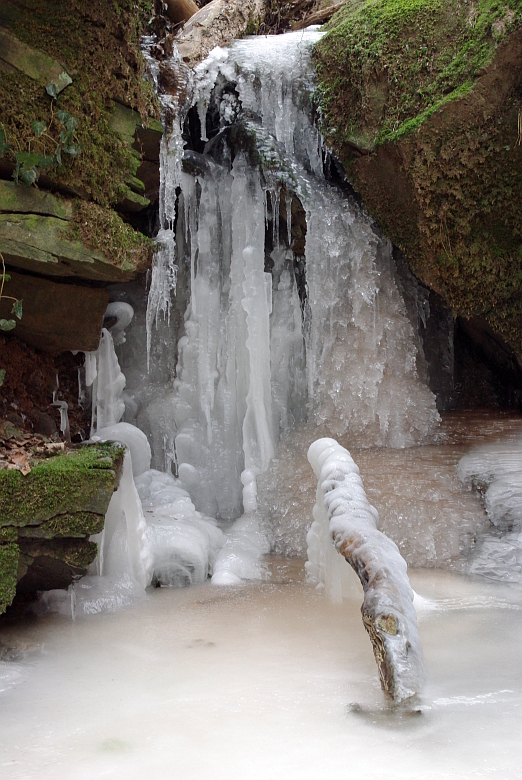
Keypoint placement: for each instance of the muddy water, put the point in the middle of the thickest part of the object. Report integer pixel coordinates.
(269, 680)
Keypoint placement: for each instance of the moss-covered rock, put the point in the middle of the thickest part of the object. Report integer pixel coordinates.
(9, 554)
(98, 44)
(48, 235)
(81, 480)
(47, 516)
(422, 102)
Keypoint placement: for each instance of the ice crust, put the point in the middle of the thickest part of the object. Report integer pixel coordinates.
(495, 469)
(344, 516)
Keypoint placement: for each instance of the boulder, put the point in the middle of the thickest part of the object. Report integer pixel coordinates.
(422, 105)
(216, 24)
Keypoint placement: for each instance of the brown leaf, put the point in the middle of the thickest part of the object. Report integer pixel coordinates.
(20, 460)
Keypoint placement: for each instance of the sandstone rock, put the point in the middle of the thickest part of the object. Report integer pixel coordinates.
(56, 316)
(35, 236)
(47, 516)
(422, 106)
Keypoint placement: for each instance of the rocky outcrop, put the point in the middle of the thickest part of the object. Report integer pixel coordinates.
(422, 104)
(47, 516)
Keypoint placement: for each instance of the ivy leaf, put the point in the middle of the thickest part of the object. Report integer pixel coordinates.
(27, 159)
(51, 90)
(29, 176)
(4, 146)
(68, 121)
(38, 128)
(7, 278)
(17, 309)
(58, 154)
(46, 162)
(7, 324)
(74, 151)
(2, 376)
(72, 123)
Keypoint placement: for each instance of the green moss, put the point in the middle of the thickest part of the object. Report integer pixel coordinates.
(385, 66)
(103, 230)
(98, 44)
(79, 554)
(81, 480)
(69, 524)
(424, 116)
(9, 554)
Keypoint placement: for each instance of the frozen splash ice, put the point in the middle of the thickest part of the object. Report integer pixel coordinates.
(274, 335)
(495, 470)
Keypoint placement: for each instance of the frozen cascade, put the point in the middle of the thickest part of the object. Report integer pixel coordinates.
(274, 336)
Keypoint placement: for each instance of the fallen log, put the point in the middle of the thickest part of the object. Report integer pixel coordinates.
(387, 610)
(217, 24)
(317, 17)
(180, 11)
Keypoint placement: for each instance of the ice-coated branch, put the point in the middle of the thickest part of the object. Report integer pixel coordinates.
(387, 610)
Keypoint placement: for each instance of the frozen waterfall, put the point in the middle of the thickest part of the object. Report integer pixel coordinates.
(287, 313)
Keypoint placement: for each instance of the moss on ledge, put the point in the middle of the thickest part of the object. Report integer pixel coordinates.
(103, 230)
(81, 480)
(422, 102)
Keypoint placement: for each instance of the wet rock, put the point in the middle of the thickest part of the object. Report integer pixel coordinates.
(44, 424)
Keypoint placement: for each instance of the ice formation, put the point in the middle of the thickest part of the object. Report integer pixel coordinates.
(495, 469)
(272, 330)
(343, 515)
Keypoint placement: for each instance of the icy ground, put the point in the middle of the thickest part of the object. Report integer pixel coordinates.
(262, 682)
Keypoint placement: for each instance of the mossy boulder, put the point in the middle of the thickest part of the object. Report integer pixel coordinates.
(422, 102)
(47, 516)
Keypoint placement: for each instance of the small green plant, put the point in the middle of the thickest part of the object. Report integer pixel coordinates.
(44, 151)
(16, 309)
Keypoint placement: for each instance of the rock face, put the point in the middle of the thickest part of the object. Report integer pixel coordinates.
(422, 103)
(47, 516)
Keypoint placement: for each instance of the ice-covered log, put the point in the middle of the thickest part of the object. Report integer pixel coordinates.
(387, 610)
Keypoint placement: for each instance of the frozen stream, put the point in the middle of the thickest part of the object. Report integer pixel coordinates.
(269, 679)
(264, 681)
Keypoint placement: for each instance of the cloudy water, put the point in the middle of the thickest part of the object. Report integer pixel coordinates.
(263, 681)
